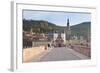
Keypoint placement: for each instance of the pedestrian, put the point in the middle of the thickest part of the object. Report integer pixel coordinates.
(48, 45)
(45, 47)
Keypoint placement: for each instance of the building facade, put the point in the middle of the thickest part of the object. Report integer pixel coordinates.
(62, 35)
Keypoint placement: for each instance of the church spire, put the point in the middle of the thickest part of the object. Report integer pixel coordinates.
(67, 22)
(68, 31)
(68, 26)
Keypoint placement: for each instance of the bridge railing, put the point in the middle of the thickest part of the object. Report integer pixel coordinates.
(82, 49)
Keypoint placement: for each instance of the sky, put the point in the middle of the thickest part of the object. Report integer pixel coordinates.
(58, 18)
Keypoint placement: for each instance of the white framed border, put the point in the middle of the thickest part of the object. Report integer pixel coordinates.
(16, 51)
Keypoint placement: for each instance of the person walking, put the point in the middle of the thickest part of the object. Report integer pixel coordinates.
(45, 47)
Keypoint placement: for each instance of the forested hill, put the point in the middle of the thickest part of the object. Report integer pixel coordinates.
(83, 29)
(40, 26)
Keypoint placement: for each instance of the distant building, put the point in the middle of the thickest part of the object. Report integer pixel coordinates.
(29, 38)
(68, 31)
(58, 37)
(62, 35)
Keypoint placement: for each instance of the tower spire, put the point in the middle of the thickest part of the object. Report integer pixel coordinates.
(68, 26)
(68, 31)
(68, 22)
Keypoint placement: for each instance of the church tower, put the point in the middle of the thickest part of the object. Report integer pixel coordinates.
(68, 27)
(68, 31)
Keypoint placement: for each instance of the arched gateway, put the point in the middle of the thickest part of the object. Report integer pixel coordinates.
(61, 36)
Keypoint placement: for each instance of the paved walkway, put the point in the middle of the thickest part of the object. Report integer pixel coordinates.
(60, 54)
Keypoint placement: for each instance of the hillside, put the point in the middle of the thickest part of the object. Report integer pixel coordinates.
(81, 29)
(45, 27)
(39, 26)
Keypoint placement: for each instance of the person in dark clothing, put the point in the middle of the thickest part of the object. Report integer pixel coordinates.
(48, 45)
